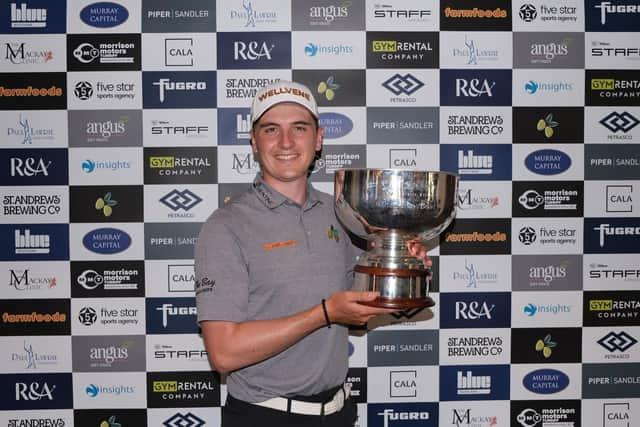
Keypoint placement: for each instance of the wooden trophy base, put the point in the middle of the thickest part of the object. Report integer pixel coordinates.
(401, 304)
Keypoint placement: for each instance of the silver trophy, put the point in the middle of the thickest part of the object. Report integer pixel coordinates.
(391, 209)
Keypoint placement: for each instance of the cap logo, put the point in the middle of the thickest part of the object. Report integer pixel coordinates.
(284, 90)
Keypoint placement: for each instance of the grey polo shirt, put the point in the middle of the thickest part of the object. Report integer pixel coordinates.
(263, 256)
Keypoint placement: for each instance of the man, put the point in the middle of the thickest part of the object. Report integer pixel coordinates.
(272, 271)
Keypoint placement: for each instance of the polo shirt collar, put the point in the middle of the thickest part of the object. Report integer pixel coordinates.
(272, 199)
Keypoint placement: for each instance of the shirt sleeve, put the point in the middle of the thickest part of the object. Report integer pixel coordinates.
(222, 278)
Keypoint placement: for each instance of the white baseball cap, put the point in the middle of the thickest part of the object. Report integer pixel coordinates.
(283, 91)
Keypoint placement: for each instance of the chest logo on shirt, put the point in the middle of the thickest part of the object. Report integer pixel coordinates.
(332, 233)
(275, 245)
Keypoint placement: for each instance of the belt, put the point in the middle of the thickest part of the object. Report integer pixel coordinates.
(309, 408)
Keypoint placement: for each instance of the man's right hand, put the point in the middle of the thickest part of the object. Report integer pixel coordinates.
(344, 307)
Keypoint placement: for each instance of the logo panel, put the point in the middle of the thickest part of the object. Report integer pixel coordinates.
(328, 15)
(537, 15)
(44, 279)
(546, 272)
(171, 240)
(106, 128)
(31, 242)
(402, 348)
(475, 310)
(402, 49)
(115, 316)
(317, 50)
(470, 237)
(610, 381)
(603, 16)
(34, 129)
(611, 308)
(547, 87)
(611, 235)
(106, 417)
(108, 353)
(104, 91)
(548, 198)
(33, 17)
(611, 271)
(560, 125)
(476, 273)
(179, 89)
(34, 167)
(477, 162)
(184, 352)
(255, 50)
(604, 161)
(250, 17)
(482, 199)
(171, 316)
(408, 125)
(35, 391)
(165, 16)
(458, 125)
(113, 52)
(546, 345)
(474, 382)
(100, 279)
(118, 203)
(475, 87)
(336, 157)
(108, 390)
(402, 414)
(548, 50)
(33, 53)
(33, 91)
(196, 127)
(611, 87)
(335, 88)
(534, 163)
(486, 346)
(606, 50)
(527, 413)
(34, 204)
(465, 15)
(614, 125)
(21, 354)
(188, 165)
(183, 389)
(35, 317)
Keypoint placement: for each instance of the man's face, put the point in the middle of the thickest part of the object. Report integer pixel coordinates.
(286, 140)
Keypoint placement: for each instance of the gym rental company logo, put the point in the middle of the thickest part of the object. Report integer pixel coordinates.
(402, 50)
(607, 308)
(183, 389)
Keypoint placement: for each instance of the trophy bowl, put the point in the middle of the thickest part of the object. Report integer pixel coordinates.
(391, 209)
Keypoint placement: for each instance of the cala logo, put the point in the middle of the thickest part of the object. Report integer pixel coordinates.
(335, 125)
(104, 14)
(547, 162)
(106, 241)
(545, 381)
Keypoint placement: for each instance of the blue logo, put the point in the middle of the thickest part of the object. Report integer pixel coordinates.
(33, 17)
(257, 50)
(475, 310)
(402, 415)
(92, 390)
(234, 125)
(171, 316)
(545, 381)
(180, 89)
(547, 162)
(104, 14)
(29, 242)
(310, 49)
(477, 162)
(531, 86)
(88, 166)
(474, 382)
(475, 87)
(335, 125)
(530, 310)
(106, 241)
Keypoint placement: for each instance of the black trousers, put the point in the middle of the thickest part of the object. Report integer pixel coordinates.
(237, 413)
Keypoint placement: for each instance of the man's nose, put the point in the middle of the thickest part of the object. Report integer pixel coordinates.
(287, 139)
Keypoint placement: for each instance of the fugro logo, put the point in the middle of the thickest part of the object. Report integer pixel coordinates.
(401, 415)
(179, 89)
(171, 315)
(106, 241)
(619, 15)
(545, 381)
(104, 14)
(490, 310)
(613, 235)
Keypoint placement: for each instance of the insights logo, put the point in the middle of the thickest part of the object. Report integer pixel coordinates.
(533, 86)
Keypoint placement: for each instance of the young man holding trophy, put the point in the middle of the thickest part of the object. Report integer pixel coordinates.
(273, 271)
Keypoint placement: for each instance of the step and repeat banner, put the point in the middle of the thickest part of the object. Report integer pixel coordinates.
(124, 124)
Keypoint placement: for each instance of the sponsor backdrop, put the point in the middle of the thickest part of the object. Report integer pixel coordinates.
(125, 123)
